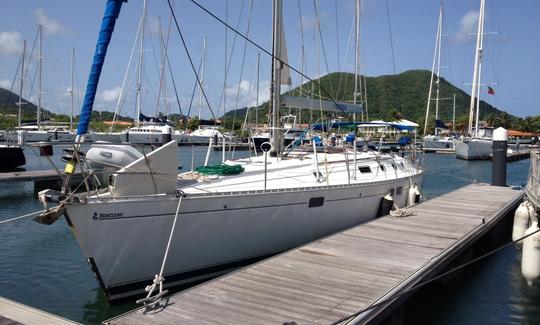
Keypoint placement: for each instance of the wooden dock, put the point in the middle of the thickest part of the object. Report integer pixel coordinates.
(341, 274)
(14, 313)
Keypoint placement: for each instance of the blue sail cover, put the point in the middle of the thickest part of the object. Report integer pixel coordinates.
(440, 125)
(112, 10)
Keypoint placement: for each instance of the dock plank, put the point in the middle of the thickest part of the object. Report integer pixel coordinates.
(336, 276)
(14, 313)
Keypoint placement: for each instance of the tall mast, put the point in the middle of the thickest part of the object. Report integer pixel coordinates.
(356, 52)
(141, 62)
(21, 87)
(454, 115)
(257, 90)
(275, 88)
(477, 63)
(40, 62)
(202, 78)
(438, 70)
(71, 88)
(435, 56)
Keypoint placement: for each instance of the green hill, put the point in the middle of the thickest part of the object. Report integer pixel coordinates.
(405, 93)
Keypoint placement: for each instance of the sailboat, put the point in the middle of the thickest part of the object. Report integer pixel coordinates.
(478, 145)
(35, 133)
(245, 210)
(436, 142)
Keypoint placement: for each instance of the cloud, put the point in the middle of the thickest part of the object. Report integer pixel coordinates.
(50, 26)
(248, 94)
(4, 83)
(10, 43)
(111, 95)
(467, 25)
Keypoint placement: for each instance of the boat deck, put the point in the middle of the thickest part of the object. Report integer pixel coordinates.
(341, 274)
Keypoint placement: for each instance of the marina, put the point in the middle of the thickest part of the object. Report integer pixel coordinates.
(263, 162)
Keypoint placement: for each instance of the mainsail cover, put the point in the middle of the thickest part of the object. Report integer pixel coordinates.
(285, 71)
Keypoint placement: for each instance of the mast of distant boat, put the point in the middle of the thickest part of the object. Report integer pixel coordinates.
(71, 88)
(436, 62)
(40, 62)
(141, 62)
(21, 87)
(477, 68)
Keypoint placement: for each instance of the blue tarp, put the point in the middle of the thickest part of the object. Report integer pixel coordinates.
(439, 124)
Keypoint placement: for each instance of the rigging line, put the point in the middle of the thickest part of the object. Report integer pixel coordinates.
(174, 84)
(418, 286)
(120, 99)
(269, 53)
(194, 90)
(13, 84)
(322, 41)
(223, 95)
(390, 34)
(337, 33)
(189, 58)
(23, 216)
(345, 63)
(243, 61)
(393, 54)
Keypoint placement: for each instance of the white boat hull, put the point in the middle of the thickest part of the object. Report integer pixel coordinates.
(215, 232)
(474, 149)
(438, 144)
(107, 137)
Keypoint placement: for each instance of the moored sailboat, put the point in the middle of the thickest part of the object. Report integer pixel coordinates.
(228, 215)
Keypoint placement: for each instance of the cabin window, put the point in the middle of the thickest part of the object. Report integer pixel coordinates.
(394, 166)
(316, 202)
(392, 192)
(399, 190)
(364, 169)
(382, 167)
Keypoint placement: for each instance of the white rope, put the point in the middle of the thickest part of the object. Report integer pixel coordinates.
(24, 216)
(149, 301)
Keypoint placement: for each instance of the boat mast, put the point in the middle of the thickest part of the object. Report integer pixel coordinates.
(437, 47)
(438, 70)
(40, 62)
(477, 64)
(71, 89)
(202, 79)
(275, 88)
(356, 54)
(141, 61)
(257, 90)
(21, 87)
(454, 115)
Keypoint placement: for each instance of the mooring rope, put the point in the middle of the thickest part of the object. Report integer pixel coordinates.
(23, 216)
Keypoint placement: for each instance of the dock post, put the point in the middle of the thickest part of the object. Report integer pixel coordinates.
(498, 163)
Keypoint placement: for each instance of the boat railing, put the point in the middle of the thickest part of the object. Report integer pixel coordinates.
(533, 184)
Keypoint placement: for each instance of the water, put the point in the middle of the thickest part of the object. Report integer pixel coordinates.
(43, 266)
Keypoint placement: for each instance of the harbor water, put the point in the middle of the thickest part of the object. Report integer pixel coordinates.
(43, 266)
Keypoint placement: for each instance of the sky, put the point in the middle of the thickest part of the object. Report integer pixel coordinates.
(510, 66)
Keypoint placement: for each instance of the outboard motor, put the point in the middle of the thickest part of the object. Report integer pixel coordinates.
(105, 159)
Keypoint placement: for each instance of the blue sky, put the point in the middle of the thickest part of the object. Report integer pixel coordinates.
(509, 64)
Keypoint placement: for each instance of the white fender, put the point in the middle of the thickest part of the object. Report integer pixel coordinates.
(521, 222)
(530, 261)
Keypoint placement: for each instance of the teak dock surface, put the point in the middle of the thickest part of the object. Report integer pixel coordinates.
(14, 313)
(336, 276)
